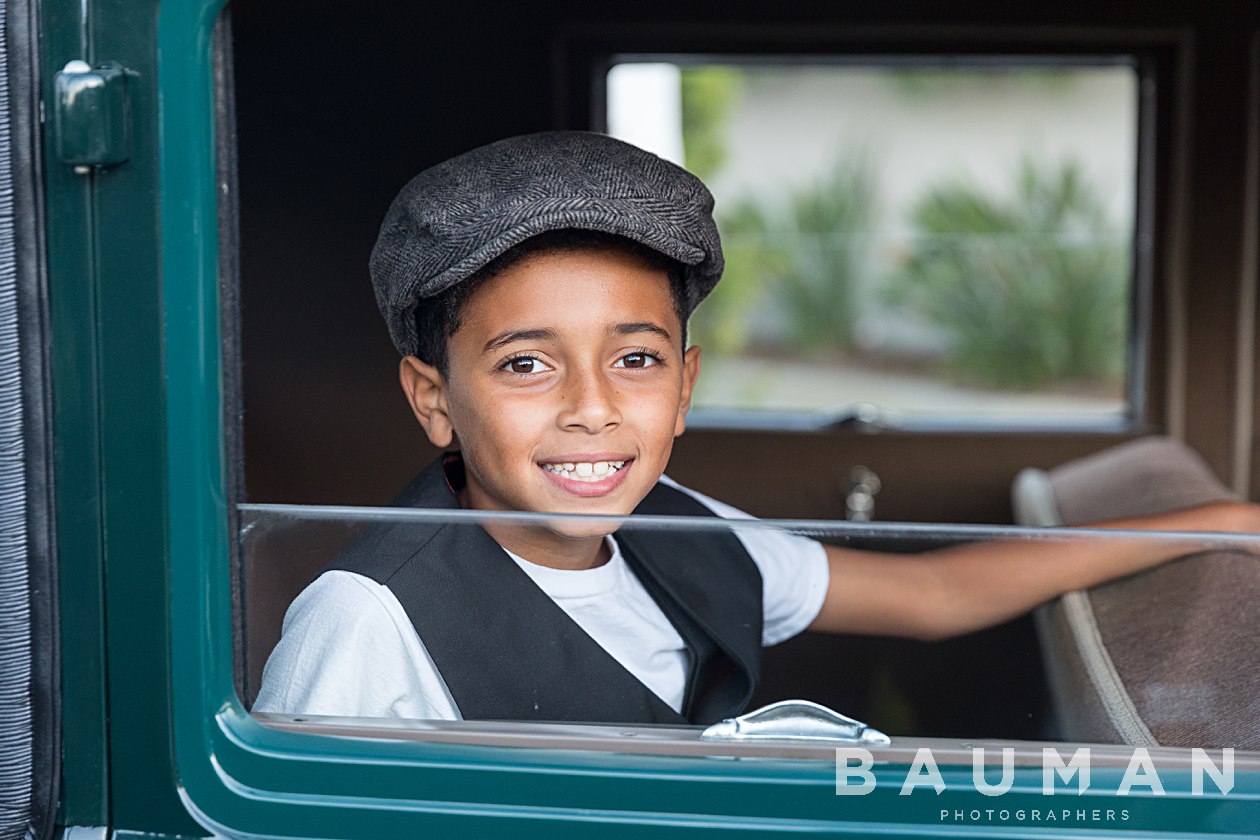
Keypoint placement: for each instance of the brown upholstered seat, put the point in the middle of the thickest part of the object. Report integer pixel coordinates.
(1170, 656)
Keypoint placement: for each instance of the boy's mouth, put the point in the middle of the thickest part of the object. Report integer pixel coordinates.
(590, 472)
(588, 478)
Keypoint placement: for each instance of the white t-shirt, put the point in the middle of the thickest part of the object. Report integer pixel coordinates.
(348, 647)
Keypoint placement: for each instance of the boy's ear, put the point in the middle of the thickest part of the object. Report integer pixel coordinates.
(691, 370)
(425, 388)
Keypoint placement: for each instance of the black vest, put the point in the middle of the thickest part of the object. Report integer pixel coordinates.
(508, 652)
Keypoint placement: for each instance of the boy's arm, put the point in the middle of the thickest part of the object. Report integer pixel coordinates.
(954, 590)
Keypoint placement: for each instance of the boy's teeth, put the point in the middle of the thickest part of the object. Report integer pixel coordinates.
(585, 471)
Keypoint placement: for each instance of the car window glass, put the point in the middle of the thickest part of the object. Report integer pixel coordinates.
(1173, 694)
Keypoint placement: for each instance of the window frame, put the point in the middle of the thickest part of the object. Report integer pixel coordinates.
(242, 777)
(585, 54)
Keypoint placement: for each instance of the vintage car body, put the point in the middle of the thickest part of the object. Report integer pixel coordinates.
(125, 711)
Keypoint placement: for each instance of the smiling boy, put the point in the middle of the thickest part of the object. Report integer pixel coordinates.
(538, 291)
(567, 383)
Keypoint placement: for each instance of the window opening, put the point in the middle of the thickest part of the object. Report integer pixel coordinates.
(1180, 699)
(282, 546)
(907, 242)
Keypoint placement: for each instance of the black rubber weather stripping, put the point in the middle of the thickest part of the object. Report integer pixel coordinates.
(230, 329)
(29, 666)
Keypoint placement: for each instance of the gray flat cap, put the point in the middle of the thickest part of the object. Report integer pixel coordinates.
(454, 218)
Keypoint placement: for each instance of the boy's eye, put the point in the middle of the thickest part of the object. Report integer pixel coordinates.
(524, 364)
(637, 360)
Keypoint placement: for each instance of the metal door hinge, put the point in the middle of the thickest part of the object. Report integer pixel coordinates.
(92, 115)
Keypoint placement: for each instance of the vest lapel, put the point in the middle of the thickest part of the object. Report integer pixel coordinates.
(710, 589)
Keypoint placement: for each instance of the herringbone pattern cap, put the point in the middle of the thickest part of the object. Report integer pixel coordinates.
(454, 218)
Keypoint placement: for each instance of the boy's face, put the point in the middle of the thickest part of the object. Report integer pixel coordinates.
(567, 385)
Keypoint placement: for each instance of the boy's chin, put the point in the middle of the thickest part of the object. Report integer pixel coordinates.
(584, 529)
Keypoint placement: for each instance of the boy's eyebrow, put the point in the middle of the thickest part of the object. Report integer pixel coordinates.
(642, 326)
(509, 336)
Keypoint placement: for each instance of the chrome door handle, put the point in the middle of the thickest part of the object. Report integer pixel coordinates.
(795, 720)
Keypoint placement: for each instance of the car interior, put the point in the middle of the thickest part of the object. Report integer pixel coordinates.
(331, 107)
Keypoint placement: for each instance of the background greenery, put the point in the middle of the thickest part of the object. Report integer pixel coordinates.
(798, 262)
(1032, 288)
(1027, 284)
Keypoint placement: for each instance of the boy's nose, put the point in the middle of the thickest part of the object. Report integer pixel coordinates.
(589, 403)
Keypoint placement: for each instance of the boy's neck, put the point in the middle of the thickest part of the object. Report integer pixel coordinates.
(540, 546)
(546, 548)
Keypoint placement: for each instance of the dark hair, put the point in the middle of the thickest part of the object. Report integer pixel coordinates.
(438, 317)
